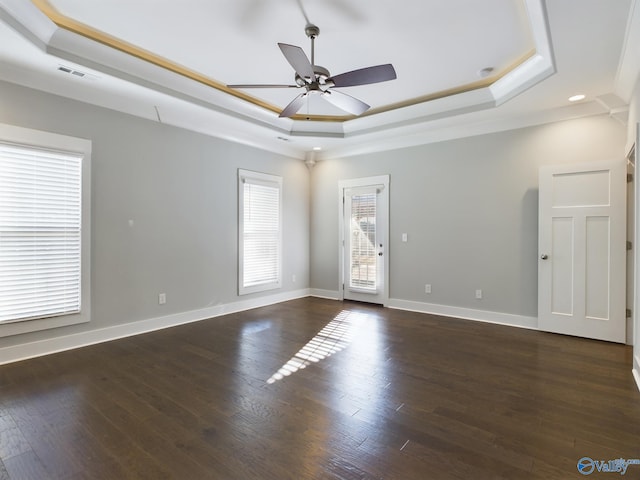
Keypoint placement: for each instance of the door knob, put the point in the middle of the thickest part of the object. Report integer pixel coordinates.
(544, 256)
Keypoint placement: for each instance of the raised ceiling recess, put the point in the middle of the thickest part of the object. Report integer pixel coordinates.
(449, 57)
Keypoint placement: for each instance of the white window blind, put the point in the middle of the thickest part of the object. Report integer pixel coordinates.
(260, 231)
(40, 233)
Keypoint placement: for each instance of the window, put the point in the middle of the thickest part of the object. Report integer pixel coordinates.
(363, 255)
(260, 231)
(42, 232)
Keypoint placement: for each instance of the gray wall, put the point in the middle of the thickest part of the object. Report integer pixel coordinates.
(180, 189)
(469, 207)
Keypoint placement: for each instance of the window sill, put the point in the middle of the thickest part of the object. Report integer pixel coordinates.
(27, 326)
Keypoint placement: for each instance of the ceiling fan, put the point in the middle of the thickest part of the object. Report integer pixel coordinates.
(317, 80)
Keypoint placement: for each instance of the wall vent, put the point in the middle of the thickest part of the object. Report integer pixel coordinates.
(77, 73)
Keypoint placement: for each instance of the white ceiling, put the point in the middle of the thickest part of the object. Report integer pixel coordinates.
(236, 42)
(541, 52)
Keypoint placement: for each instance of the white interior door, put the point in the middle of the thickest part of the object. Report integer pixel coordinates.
(582, 250)
(364, 237)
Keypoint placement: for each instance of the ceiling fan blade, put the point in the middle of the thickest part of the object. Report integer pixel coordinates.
(345, 8)
(298, 60)
(345, 102)
(294, 106)
(364, 76)
(303, 11)
(262, 86)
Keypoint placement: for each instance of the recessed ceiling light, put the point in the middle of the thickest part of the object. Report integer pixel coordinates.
(317, 149)
(577, 98)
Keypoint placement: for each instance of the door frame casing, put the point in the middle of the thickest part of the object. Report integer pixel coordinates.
(632, 228)
(354, 183)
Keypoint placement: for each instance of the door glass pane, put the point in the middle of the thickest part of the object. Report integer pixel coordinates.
(363, 241)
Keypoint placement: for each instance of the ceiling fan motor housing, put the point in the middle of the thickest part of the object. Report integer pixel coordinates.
(321, 76)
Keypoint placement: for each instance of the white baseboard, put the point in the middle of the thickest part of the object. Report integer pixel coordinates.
(328, 294)
(521, 321)
(636, 370)
(68, 342)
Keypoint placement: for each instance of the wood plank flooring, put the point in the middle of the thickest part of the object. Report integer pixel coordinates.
(318, 389)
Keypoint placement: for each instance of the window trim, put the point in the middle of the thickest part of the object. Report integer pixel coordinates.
(264, 179)
(78, 146)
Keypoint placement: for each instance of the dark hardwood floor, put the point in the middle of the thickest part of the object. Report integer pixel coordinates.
(318, 389)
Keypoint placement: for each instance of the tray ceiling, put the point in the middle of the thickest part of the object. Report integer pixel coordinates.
(174, 59)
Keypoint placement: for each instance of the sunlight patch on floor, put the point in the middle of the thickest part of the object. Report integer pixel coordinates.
(334, 337)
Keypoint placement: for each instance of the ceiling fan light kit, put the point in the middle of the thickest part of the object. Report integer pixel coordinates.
(317, 80)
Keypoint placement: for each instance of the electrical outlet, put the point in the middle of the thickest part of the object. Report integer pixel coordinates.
(405, 237)
(478, 293)
(162, 298)
(427, 288)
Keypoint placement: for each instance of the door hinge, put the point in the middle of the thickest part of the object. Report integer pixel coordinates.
(629, 177)
(629, 313)
(629, 245)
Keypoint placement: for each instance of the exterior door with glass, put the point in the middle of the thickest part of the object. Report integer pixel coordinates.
(364, 238)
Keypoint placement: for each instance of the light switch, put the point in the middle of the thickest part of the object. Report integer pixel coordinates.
(404, 237)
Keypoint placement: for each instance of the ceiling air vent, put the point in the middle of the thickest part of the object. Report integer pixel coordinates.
(77, 73)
